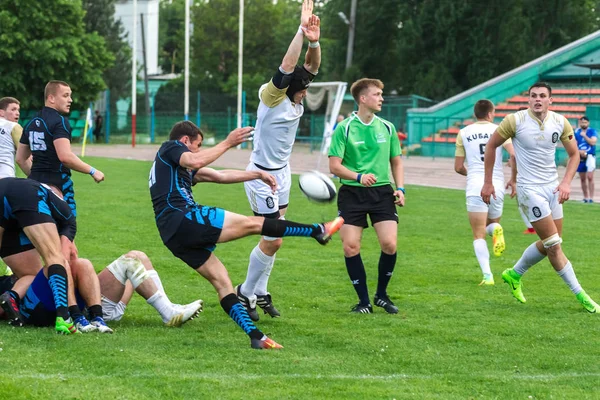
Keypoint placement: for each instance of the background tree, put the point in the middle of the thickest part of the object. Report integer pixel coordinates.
(100, 18)
(171, 34)
(47, 40)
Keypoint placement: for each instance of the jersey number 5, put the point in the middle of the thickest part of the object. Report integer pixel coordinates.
(482, 150)
(36, 141)
(152, 177)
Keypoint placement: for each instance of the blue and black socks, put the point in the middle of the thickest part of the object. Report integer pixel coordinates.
(57, 279)
(281, 228)
(232, 306)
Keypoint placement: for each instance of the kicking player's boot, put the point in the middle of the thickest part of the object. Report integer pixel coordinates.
(362, 309)
(384, 302)
(100, 324)
(498, 243)
(514, 282)
(265, 344)
(11, 309)
(328, 229)
(185, 313)
(587, 302)
(83, 325)
(65, 327)
(249, 303)
(488, 280)
(266, 303)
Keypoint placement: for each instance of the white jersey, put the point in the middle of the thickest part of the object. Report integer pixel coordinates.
(276, 125)
(470, 144)
(535, 145)
(10, 133)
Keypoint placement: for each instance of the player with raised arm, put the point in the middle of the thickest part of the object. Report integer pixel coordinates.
(535, 133)
(191, 231)
(484, 219)
(278, 116)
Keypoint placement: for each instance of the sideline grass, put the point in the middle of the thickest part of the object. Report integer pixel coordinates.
(452, 339)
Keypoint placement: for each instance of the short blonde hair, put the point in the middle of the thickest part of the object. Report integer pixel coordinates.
(52, 86)
(363, 84)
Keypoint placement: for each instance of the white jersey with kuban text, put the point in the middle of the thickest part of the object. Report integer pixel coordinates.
(535, 145)
(470, 143)
(276, 125)
(10, 133)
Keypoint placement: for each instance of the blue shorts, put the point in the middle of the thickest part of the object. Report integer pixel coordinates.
(37, 307)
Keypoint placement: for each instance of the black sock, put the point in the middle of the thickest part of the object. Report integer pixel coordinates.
(95, 311)
(57, 279)
(75, 312)
(280, 228)
(358, 277)
(232, 306)
(387, 262)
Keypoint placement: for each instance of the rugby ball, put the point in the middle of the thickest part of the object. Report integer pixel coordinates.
(317, 187)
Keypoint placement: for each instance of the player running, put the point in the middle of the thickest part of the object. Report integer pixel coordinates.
(470, 147)
(278, 116)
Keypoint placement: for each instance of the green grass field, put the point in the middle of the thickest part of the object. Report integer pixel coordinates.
(452, 339)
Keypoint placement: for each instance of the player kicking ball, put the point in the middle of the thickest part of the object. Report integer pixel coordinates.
(484, 218)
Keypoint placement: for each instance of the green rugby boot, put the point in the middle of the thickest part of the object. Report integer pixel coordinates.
(67, 327)
(514, 281)
(587, 302)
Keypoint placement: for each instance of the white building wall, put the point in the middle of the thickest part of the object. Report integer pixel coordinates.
(150, 8)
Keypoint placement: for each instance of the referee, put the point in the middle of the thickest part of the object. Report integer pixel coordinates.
(363, 147)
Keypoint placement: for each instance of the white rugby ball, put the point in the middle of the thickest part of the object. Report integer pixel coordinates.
(317, 186)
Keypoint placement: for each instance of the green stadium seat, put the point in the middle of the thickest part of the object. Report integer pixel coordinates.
(80, 124)
(75, 133)
(75, 114)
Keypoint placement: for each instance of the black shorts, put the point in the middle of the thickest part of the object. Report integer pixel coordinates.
(14, 242)
(354, 203)
(61, 181)
(26, 205)
(196, 237)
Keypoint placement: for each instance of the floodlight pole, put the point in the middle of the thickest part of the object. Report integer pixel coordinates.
(134, 76)
(186, 82)
(351, 27)
(240, 64)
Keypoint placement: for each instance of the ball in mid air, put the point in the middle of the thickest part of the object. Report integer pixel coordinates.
(317, 187)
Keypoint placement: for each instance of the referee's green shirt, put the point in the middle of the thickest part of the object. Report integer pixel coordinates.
(365, 149)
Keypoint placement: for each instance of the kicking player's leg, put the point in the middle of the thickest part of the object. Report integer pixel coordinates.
(235, 226)
(214, 271)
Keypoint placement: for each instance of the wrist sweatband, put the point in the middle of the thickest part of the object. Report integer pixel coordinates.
(92, 171)
(358, 178)
(401, 189)
(313, 45)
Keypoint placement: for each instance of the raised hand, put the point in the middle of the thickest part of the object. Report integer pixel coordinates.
(239, 136)
(313, 31)
(307, 10)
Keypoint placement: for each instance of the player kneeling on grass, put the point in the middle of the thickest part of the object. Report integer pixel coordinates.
(191, 231)
(484, 218)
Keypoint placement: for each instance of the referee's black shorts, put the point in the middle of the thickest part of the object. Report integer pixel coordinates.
(355, 203)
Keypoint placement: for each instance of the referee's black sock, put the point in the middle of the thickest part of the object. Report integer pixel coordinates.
(57, 279)
(232, 306)
(358, 277)
(387, 262)
(280, 228)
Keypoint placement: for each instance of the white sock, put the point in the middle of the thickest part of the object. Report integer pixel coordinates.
(259, 262)
(261, 285)
(490, 228)
(568, 275)
(164, 307)
(483, 256)
(530, 257)
(525, 219)
(154, 275)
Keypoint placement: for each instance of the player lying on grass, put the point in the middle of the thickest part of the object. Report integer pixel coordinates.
(191, 231)
(114, 285)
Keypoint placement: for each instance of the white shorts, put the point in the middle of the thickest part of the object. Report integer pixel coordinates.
(112, 311)
(590, 162)
(494, 210)
(262, 200)
(538, 202)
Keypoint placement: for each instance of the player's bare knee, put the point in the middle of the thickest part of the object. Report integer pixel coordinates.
(388, 247)
(271, 245)
(351, 249)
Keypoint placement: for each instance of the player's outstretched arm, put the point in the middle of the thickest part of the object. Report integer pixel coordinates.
(204, 157)
(293, 52)
(233, 176)
(71, 161)
(312, 60)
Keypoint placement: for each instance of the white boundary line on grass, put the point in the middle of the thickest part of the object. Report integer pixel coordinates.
(341, 377)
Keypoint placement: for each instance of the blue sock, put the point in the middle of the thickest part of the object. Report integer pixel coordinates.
(232, 306)
(57, 278)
